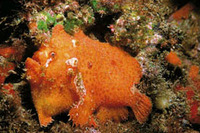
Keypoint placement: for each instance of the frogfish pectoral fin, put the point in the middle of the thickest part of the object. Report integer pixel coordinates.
(44, 120)
(108, 113)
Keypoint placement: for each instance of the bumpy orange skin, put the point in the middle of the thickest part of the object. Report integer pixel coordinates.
(93, 75)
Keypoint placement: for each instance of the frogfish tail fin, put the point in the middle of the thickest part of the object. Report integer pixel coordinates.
(142, 107)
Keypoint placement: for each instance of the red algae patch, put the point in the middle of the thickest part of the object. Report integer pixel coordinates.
(194, 114)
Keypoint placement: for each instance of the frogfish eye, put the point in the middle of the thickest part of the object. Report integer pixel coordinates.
(52, 54)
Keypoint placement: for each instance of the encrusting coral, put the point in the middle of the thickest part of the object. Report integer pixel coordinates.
(172, 58)
(77, 69)
(7, 55)
(182, 13)
(194, 71)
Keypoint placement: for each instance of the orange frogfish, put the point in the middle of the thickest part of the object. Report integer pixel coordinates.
(85, 77)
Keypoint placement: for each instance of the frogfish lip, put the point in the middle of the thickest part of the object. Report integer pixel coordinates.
(40, 57)
(36, 60)
(31, 62)
(33, 69)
